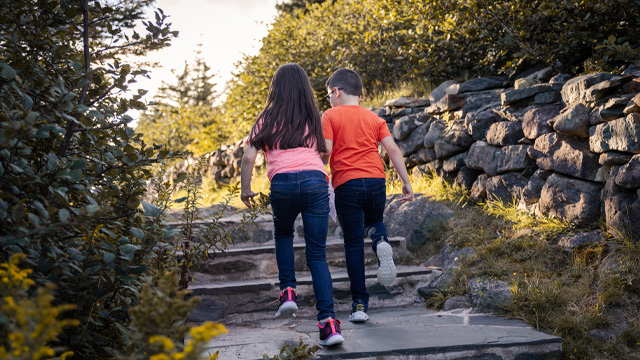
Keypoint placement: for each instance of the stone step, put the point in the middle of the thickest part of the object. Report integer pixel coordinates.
(256, 285)
(259, 231)
(333, 243)
(409, 332)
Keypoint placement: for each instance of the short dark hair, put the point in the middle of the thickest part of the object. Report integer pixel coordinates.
(346, 79)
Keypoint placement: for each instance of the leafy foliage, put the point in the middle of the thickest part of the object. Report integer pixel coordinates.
(301, 351)
(183, 117)
(389, 42)
(157, 326)
(27, 325)
(72, 170)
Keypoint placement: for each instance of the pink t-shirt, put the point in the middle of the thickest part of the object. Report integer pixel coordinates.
(290, 160)
(298, 159)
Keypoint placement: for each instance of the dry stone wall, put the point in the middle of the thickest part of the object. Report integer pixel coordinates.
(557, 144)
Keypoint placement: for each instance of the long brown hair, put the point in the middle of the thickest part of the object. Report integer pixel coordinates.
(290, 118)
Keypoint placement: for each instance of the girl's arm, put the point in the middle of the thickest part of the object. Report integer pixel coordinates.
(246, 170)
(398, 162)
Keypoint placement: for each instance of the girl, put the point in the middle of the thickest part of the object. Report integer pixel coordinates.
(289, 131)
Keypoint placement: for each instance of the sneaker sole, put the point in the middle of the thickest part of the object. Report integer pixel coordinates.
(287, 309)
(387, 269)
(359, 316)
(333, 340)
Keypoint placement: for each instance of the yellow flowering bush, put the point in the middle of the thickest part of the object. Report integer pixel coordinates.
(28, 325)
(157, 326)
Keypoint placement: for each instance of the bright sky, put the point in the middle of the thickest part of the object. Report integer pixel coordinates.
(225, 28)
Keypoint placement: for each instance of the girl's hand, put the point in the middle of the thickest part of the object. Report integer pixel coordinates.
(246, 197)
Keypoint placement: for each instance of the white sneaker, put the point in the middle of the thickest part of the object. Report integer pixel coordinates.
(358, 316)
(288, 306)
(386, 268)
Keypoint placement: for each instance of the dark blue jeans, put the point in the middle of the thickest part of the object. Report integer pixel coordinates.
(360, 207)
(303, 192)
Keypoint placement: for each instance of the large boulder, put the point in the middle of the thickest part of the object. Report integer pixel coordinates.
(480, 84)
(416, 220)
(570, 242)
(480, 101)
(574, 120)
(506, 187)
(454, 163)
(479, 122)
(466, 177)
(439, 92)
(566, 155)
(612, 109)
(513, 96)
(573, 90)
(605, 88)
(423, 156)
(445, 149)
(533, 190)
(534, 122)
(414, 141)
(629, 174)
(571, 199)
(433, 134)
(406, 102)
(403, 127)
(622, 135)
(505, 133)
(483, 156)
(448, 102)
(479, 188)
(514, 158)
(614, 158)
(621, 209)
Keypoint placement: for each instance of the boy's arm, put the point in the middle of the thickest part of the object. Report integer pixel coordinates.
(246, 170)
(325, 156)
(398, 163)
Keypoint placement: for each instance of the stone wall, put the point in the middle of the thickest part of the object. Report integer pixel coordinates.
(559, 145)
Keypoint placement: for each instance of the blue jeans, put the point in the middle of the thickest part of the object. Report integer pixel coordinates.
(303, 192)
(360, 207)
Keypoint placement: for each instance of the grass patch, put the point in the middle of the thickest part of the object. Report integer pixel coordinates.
(588, 297)
(414, 88)
(214, 193)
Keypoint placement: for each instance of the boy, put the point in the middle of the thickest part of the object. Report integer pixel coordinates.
(352, 134)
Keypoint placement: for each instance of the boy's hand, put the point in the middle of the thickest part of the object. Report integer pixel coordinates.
(246, 197)
(407, 193)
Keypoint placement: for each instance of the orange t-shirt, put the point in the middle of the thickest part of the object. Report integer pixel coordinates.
(355, 132)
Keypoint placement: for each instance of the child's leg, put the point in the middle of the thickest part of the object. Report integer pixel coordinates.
(285, 204)
(373, 220)
(349, 201)
(374, 210)
(314, 197)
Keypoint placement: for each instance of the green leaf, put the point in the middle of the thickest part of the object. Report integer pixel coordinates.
(63, 214)
(8, 72)
(151, 210)
(108, 257)
(180, 200)
(79, 164)
(92, 209)
(139, 234)
(18, 213)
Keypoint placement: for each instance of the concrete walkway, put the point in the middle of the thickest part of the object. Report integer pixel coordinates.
(402, 332)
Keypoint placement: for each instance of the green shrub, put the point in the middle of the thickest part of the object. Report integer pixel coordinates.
(393, 42)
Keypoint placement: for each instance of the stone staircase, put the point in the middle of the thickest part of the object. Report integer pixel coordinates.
(239, 288)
